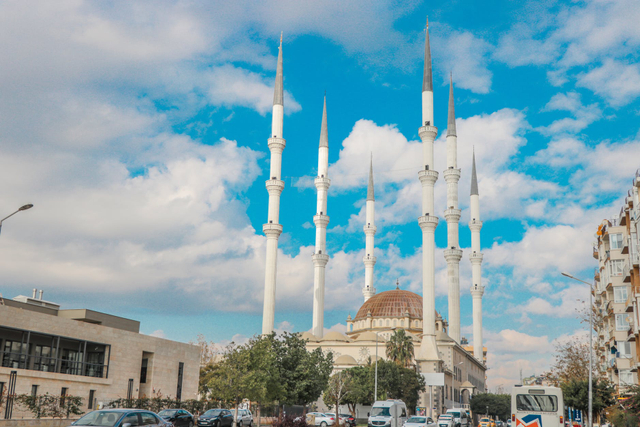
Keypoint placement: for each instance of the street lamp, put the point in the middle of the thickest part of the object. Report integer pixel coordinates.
(375, 387)
(22, 208)
(590, 343)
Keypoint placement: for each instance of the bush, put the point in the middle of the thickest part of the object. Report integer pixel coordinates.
(290, 421)
(47, 405)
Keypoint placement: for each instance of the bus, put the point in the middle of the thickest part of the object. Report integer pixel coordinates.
(537, 406)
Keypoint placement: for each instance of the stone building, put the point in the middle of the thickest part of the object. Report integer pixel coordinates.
(85, 353)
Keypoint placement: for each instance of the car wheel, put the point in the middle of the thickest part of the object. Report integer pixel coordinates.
(323, 424)
(240, 424)
(190, 423)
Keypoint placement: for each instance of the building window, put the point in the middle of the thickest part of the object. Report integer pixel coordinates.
(63, 394)
(12, 355)
(615, 241)
(616, 266)
(627, 378)
(621, 322)
(143, 371)
(624, 349)
(92, 394)
(620, 294)
(34, 390)
(180, 374)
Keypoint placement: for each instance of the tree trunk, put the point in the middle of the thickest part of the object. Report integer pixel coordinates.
(259, 414)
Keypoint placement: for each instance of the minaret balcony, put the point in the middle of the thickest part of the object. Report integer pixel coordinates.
(428, 222)
(451, 175)
(322, 182)
(429, 132)
(277, 144)
(476, 257)
(453, 255)
(370, 229)
(475, 225)
(477, 291)
(274, 186)
(272, 230)
(320, 259)
(369, 260)
(321, 221)
(452, 215)
(428, 176)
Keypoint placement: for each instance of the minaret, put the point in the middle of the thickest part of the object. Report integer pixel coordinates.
(320, 257)
(428, 352)
(477, 290)
(272, 229)
(369, 230)
(452, 254)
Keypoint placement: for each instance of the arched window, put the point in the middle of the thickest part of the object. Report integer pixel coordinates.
(395, 322)
(387, 322)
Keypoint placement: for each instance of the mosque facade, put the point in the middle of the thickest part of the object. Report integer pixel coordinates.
(438, 344)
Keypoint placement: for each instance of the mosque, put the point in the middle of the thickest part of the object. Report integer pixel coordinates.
(439, 347)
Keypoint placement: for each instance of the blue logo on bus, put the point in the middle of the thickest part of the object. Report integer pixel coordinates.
(530, 421)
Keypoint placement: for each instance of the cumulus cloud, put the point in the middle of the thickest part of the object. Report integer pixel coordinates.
(584, 115)
(617, 82)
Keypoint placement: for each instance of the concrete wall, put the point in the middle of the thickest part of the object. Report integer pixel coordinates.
(124, 362)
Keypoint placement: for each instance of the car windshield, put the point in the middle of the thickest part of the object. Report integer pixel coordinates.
(213, 412)
(168, 412)
(380, 412)
(99, 418)
(445, 416)
(417, 420)
(485, 420)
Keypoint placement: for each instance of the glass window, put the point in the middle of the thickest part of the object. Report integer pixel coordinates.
(537, 403)
(148, 419)
(380, 412)
(624, 348)
(99, 418)
(615, 241)
(627, 378)
(616, 266)
(621, 322)
(131, 419)
(620, 294)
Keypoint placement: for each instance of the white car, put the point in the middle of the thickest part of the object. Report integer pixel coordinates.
(420, 421)
(320, 419)
(446, 420)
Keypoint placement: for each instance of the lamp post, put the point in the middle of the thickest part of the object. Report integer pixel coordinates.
(375, 386)
(22, 208)
(590, 343)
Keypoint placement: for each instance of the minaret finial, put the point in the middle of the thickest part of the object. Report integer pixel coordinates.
(283, 32)
(278, 93)
(370, 192)
(324, 134)
(398, 283)
(427, 79)
(451, 122)
(474, 178)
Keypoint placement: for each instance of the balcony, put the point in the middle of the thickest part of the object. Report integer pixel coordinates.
(596, 275)
(595, 252)
(626, 272)
(635, 257)
(625, 244)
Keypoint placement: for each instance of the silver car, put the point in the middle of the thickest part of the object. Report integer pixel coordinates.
(420, 421)
(245, 418)
(320, 419)
(121, 418)
(446, 420)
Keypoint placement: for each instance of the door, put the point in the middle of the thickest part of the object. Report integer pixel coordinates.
(149, 420)
(132, 419)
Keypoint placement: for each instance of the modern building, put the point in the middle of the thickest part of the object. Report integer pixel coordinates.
(85, 353)
(617, 292)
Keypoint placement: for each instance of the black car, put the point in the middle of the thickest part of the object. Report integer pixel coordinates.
(349, 419)
(216, 418)
(177, 417)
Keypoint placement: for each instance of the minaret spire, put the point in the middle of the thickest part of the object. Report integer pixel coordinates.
(272, 229)
(477, 290)
(452, 254)
(369, 230)
(321, 220)
(428, 355)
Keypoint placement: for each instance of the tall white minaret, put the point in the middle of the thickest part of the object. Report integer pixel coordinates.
(477, 290)
(369, 230)
(320, 257)
(272, 229)
(452, 254)
(428, 352)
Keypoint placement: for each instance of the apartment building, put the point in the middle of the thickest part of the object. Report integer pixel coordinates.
(617, 292)
(81, 352)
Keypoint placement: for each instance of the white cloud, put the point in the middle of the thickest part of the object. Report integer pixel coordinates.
(617, 82)
(159, 333)
(584, 115)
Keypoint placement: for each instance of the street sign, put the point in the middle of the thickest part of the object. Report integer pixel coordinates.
(434, 379)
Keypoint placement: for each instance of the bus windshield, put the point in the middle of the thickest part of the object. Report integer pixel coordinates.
(537, 403)
(380, 412)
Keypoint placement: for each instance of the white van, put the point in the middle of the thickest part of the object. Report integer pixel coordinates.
(460, 417)
(531, 404)
(388, 413)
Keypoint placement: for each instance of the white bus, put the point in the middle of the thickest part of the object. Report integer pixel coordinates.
(537, 406)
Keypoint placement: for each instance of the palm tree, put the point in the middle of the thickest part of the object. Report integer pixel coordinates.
(400, 348)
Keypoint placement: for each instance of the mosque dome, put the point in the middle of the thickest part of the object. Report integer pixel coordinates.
(345, 360)
(394, 303)
(335, 336)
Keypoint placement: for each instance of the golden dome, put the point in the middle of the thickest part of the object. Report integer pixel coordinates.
(394, 303)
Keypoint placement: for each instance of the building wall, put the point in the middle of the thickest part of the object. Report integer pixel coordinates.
(125, 360)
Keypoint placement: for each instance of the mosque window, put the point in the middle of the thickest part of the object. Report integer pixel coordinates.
(395, 322)
(387, 322)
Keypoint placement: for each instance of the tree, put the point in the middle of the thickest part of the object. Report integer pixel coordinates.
(571, 362)
(338, 390)
(576, 395)
(400, 348)
(361, 387)
(499, 405)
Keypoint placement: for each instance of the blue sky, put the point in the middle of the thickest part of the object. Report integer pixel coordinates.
(139, 131)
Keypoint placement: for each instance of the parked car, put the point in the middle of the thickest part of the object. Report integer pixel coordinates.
(446, 420)
(388, 413)
(486, 422)
(320, 419)
(344, 419)
(216, 418)
(460, 417)
(245, 418)
(349, 419)
(121, 418)
(177, 417)
(420, 421)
